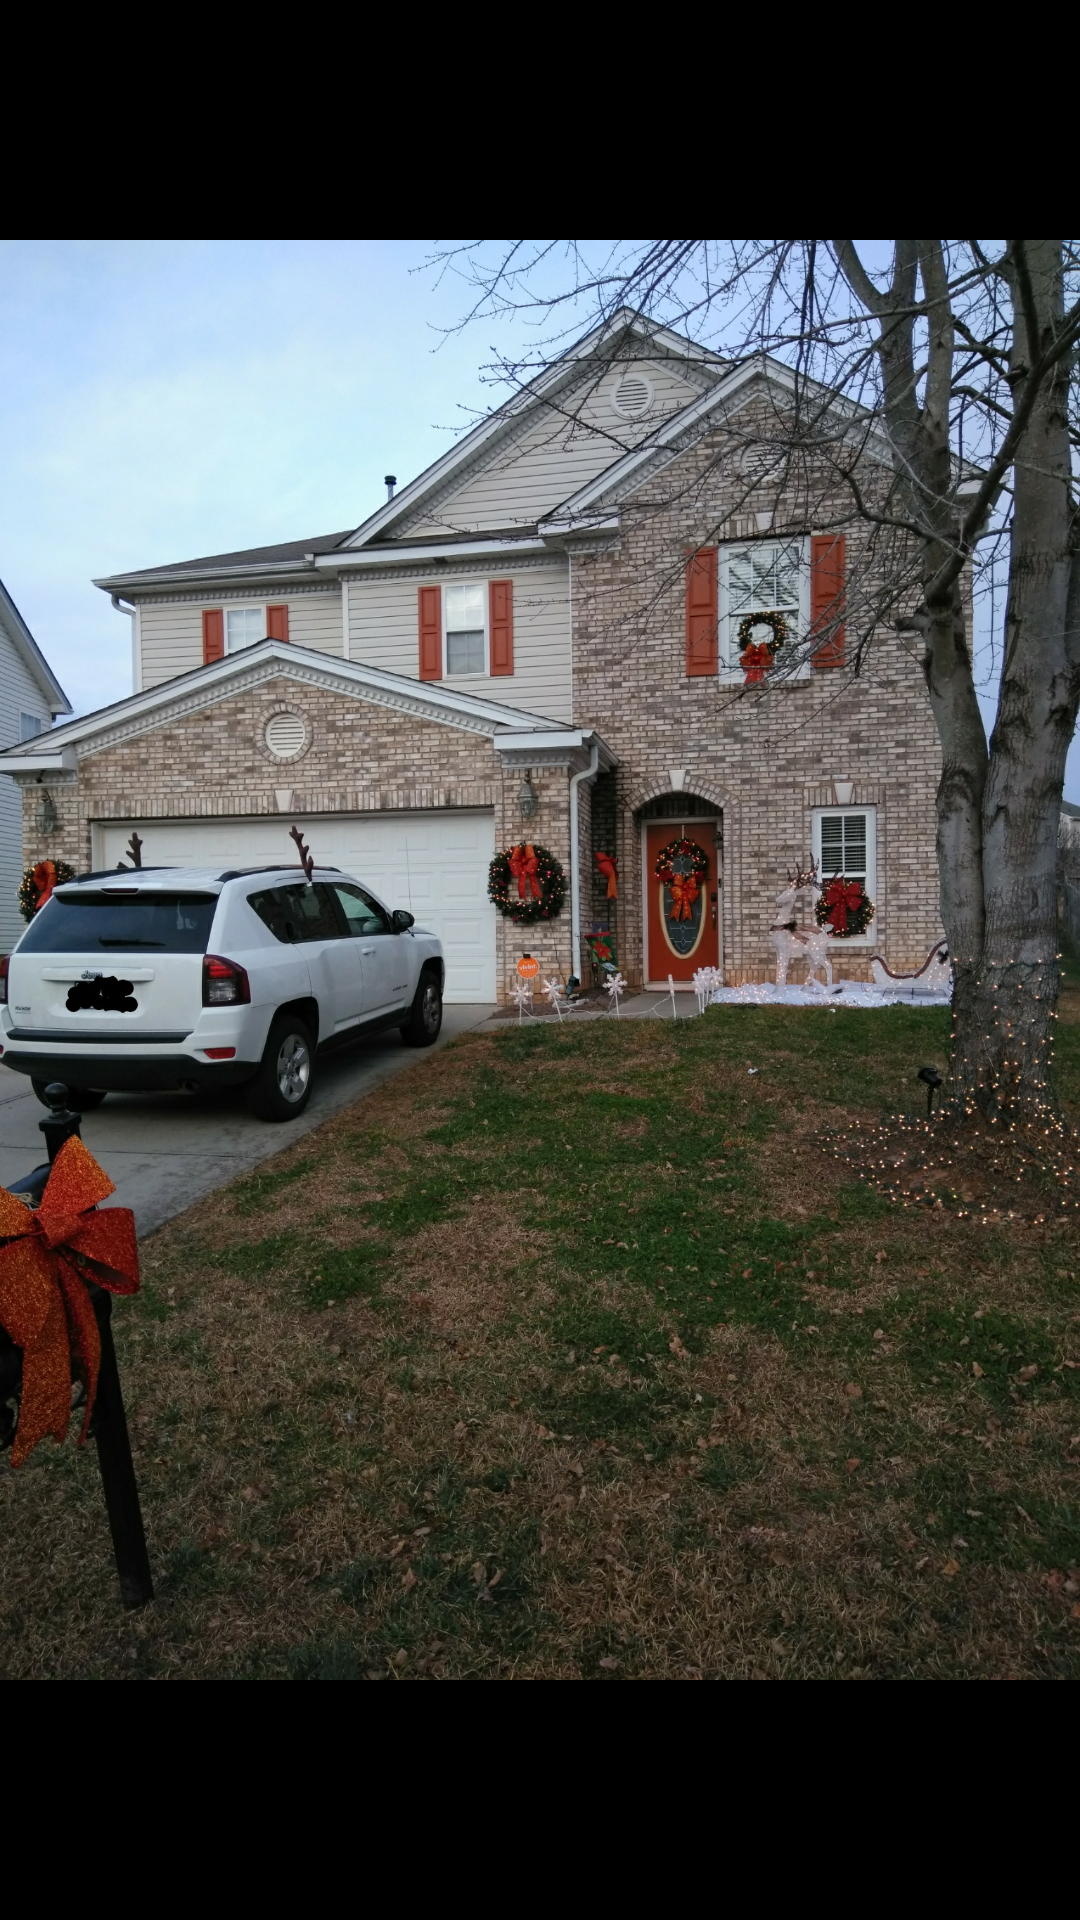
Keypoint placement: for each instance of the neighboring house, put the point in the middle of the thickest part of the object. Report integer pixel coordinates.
(538, 640)
(30, 698)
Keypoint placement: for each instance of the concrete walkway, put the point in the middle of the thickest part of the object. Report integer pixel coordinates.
(166, 1150)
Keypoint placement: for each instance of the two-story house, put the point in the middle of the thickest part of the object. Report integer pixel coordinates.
(30, 698)
(548, 637)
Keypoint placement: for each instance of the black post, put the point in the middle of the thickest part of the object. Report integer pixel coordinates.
(109, 1426)
(109, 1423)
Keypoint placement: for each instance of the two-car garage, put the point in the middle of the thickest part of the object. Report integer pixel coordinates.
(433, 864)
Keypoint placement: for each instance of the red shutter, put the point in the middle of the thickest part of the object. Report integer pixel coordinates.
(501, 602)
(277, 623)
(213, 634)
(701, 612)
(827, 597)
(431, 633)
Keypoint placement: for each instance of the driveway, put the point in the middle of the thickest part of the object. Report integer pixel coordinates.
(166, 1150)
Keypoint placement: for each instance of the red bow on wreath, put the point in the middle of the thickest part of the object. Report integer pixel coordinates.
(684, 890)
(523, 866)
(48, 1255)
(756, 661)
(44, 878)
(843, 897)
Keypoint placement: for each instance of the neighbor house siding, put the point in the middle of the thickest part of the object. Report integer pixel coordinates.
(171, 630)
(549, 458)
(19, 693)
(384, 632)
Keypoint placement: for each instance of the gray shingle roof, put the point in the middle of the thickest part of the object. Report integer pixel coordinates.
(249, 556)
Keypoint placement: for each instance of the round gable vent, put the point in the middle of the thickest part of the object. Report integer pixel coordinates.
(285, 736)
(632, 396)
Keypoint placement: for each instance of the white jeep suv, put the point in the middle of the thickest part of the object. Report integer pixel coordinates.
(188, 977)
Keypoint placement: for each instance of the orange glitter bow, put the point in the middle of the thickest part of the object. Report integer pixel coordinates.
(44, 878)
(684, 891)
(523, 866)
(609, 867)
(46, 1257)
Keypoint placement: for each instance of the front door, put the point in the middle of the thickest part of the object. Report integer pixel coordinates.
(682, 891)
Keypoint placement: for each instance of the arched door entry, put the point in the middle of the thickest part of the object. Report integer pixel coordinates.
(682, 898)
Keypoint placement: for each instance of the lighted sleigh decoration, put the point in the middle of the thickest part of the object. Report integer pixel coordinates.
(934, 976)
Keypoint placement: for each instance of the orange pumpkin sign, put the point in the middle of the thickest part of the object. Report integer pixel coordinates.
(527, 967)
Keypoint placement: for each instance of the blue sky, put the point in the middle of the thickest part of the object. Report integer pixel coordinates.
(163, 399)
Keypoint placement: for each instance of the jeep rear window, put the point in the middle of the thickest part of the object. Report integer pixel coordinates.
(93, 923)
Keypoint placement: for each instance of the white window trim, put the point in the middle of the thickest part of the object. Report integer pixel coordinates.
(858, 942)
(485, 601)
(733, 674)
(250, 606)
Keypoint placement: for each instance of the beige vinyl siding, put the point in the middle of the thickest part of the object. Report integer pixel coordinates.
(384, 632)
(19, 693)
(547, 460)
(171, 631)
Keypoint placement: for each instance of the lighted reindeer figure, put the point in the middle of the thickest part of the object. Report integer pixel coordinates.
(793, 942)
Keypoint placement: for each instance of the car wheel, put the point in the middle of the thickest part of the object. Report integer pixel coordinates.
(422, 1027)
(282, 1087)
(80, 1099)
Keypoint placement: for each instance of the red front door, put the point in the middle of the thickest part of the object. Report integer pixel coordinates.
(683, 902)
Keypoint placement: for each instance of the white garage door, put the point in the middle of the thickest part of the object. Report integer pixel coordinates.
(433, 864)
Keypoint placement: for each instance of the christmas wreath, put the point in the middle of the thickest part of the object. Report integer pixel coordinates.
(38, 882)
(843, 906)
(527, 883)
(756, 656)
(684, 887)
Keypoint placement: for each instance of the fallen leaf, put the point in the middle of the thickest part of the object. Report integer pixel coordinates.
(609, 1663)
(852, 1391)
(1027, 1373)
(976, 1370)
(408, 1579)
(879, 1333)
(950, 1568)
(460, 1430)
(400, 1658)
(851, 1465)
(676, 1347)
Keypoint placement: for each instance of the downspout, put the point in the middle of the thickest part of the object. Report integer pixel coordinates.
(587, 773)
(136, 663)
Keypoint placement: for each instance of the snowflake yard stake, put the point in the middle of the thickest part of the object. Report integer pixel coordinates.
(554, 990)
(616, 986)
(521, 995)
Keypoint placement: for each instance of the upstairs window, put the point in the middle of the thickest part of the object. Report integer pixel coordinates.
(244, 627)
(767, 578)
(30, 726)
(466, 630)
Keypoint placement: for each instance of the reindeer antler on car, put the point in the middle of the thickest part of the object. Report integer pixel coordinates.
(307, 860)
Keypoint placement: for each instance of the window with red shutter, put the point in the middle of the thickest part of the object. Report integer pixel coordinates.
(430, 616)
(701, 611)
(827, 598)
(277, 623)
(501, 606)
(213, 634)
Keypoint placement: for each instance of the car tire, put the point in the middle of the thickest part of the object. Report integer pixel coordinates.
(424, 1023)
(80, 1099)
(282, 1087)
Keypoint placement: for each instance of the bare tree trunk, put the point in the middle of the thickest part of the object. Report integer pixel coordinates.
(1006, 993)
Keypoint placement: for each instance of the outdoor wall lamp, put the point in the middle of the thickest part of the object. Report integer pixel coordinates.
(527, 799)
(46, 819)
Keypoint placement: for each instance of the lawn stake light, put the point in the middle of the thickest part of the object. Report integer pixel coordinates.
(53, 1240)
(931, 1079)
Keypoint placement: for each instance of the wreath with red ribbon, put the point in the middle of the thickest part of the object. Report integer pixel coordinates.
(38, 882)
(683, 887)
(527, 883)
(756, 656)
(843, 905)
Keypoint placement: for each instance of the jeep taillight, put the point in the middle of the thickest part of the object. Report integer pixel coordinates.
(224, 984)
(5, 962)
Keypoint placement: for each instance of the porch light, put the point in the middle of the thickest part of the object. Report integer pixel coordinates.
(527, 799)
(46, 819)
